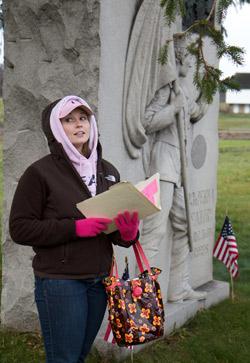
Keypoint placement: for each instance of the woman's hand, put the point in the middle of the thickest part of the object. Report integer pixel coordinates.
(91, 227)
(127, 224)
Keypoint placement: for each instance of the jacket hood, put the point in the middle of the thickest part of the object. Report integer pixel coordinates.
(55, 134)
(52, 126)
(46, 122)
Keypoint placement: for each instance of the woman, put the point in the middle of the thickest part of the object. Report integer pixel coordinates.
(72, 254)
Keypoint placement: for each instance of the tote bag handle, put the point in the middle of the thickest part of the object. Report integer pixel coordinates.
(141, 257)
(141, 260)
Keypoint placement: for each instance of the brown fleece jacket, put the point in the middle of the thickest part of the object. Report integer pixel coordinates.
(44, 211)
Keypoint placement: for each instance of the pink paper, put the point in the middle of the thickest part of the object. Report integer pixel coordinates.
(150, 190)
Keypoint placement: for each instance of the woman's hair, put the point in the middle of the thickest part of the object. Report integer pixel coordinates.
(86, 150)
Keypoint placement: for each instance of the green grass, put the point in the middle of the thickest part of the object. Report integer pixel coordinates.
(220, 334)
(234, 122)
(213, 336)
(21, 348)
(234, 199)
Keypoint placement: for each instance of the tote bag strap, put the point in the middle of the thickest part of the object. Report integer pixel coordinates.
(141, 257)
(141, 260)
(138, 259)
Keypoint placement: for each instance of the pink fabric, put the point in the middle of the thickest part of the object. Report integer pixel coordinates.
(127, 224)
(86, 167)
(91, 227)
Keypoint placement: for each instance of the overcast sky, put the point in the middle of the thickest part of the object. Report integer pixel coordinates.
(237, 24)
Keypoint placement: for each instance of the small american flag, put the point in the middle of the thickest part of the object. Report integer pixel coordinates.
(226, 249)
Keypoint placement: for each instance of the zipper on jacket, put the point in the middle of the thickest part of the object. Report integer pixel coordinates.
(64, 258)
(99, 171)
(100, 183)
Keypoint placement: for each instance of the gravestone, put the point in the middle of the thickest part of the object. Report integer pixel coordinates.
(47, 56)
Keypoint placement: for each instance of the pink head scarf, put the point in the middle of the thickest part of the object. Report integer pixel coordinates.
(86, 167)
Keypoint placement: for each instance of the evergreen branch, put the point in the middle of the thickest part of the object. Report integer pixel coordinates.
(207, 78)
(172, 9)
(229, 83)
(203, 26)
(222, 8)
(235, 54)
(192, 48)
(163, 55)
(206, 28)
(223, 30)
(185, 32)
(207, 82)
(212, 11)
(182, 8)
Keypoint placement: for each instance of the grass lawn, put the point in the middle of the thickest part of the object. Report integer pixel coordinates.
(234, 122)
(220, 334)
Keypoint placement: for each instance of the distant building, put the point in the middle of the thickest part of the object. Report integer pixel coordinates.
(238, 102)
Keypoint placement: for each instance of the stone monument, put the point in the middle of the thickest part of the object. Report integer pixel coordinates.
(201, 156)
(47, 56)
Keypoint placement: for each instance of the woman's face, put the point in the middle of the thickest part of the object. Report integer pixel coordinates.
(77, 127)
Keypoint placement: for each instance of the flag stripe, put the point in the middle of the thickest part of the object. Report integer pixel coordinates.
(223, 251)
(218, 246)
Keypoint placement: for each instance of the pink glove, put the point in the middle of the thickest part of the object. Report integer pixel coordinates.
(127, 224)
(91, 227)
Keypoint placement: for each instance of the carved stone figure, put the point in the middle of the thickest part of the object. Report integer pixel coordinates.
(144, 75)
(170, 103)
(153, 101)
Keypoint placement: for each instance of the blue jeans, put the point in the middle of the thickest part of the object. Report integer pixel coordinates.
(70, 313)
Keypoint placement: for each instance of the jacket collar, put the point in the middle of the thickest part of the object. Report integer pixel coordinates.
(57, 150)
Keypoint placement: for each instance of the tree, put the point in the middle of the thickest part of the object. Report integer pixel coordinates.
(206, 23)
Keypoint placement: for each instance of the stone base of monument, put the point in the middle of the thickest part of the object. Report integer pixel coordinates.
(176, 315)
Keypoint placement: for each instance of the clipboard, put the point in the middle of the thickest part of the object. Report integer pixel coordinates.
(143, 197)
